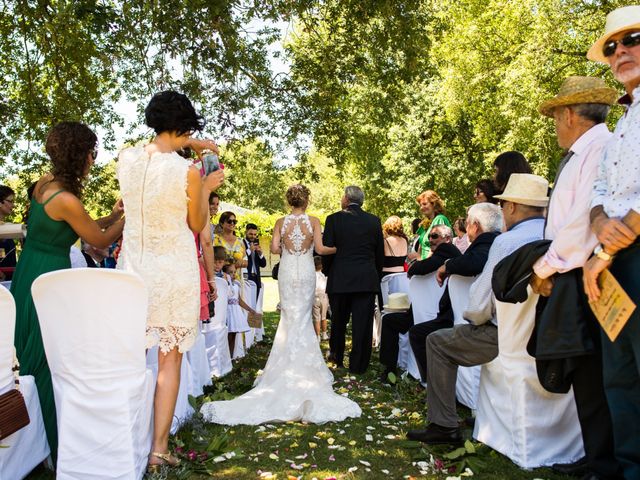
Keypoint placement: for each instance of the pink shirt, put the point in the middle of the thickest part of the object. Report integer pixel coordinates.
(568, 218)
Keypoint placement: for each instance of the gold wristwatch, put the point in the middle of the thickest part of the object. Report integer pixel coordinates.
(601, 254)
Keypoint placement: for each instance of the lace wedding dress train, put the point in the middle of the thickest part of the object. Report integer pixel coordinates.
(296, 384)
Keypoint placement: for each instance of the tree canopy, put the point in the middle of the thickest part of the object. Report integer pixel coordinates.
(396, 95)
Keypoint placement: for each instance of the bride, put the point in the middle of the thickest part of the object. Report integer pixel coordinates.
(296, 384)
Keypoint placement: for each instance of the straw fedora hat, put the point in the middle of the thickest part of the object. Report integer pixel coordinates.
(619, 20)
(526, 189)
(398, 302)
(577, 90)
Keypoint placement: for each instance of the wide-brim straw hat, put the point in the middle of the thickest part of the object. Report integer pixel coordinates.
(619, 20)
(577, 90)
(526, 189)
(398, 302)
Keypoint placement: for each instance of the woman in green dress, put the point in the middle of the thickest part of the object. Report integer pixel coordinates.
(57, 218)
(432, 208)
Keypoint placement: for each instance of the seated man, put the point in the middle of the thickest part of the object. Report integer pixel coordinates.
(485, 221)
(523, 203)
(394, 324)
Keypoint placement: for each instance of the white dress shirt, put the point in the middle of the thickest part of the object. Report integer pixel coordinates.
(568, 217)
(617, 186)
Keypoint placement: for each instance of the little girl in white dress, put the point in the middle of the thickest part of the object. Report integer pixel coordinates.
(237, 308)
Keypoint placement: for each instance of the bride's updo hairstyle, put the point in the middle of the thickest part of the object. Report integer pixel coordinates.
(68, 145)
(170, 111)
(298, 196)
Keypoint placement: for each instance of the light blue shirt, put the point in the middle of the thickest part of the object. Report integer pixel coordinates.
(482, 302)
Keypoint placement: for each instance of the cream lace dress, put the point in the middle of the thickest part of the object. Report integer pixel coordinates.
(296, 384)
(158, 244)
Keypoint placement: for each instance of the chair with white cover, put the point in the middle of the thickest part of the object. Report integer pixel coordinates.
(389, 284)
(396, 283)
(516, 416)
(102, 389)
(424, 293)
(216, 334)
(198, 371)
(249, 296)
(27, 447)
(468, 377)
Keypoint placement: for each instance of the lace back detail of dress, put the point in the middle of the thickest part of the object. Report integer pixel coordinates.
(297, 234)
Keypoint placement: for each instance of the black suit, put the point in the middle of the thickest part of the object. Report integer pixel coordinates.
(254, 263)
(469, 264)
(394, 324)
(353, 281)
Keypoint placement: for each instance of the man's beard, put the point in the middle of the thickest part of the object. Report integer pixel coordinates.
(629, 74)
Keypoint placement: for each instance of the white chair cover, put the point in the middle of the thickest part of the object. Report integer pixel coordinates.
(259, 305)
(389, 284)
(198, 370)
(216, 334)
(183, 410)
(397, 283)
(103, 392)
(468, 377)
(516, 416)
(249, 296)
(27, 447)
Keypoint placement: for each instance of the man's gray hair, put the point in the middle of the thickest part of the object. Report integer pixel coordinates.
(594, 112)
(354, 194)
(487, 215)
(443, 229)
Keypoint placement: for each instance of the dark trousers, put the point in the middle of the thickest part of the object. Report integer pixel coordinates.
(359, 307)
(418, 338)
(393, 325)
(621, 368)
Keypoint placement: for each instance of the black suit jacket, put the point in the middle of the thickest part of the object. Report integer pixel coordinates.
(357, 266)
(472, 261)
(261, 263)
(429, 265)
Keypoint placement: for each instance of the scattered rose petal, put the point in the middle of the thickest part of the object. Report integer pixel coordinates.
(368, 437)
(352, 469)
(273, 456)
(332, 458)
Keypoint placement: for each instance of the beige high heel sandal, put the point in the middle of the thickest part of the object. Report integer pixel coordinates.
(167, 458)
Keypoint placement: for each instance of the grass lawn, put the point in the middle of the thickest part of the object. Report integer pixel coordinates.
(370, 447)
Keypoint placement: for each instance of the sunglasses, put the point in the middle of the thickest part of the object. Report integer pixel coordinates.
(434, 236)
(232, 222)
(630, 40)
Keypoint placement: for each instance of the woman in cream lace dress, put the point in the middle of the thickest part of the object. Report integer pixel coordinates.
(165, 200)
(296, 384)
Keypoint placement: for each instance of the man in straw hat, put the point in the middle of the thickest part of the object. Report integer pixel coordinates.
(579, 112)
(523, 203)
(615, 219)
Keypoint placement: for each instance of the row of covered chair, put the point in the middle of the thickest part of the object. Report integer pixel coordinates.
(515, 415)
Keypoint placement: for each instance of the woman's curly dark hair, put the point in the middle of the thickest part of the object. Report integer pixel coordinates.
(68, 145)
(298, 195)
(170, 111)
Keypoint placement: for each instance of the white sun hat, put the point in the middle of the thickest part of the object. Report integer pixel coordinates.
(619, 20)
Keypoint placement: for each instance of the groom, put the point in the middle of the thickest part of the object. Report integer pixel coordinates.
(354, 277)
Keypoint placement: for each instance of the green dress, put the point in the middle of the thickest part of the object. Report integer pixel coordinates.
(46, 249)
(423, 234)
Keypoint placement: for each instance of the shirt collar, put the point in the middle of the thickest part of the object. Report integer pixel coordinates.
(517, 225)
(582, 143)
(626, 100)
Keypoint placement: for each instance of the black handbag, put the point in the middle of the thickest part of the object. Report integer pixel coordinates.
(274, 271)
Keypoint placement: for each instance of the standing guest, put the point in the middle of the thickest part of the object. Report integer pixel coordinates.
(219, 259)
(396, 323)
(395, 246)
(504, 165)
(476, 343)
(432, 208)
(57, 217)
(484, 192)
(615, 219)
(236, 318)
(461, 240)
(484, 222)
(321, 302)
(255, 257)
(165, 197)
(214, 205)
(232, 244)
(579, 112)
(7, 246)
(353, 277)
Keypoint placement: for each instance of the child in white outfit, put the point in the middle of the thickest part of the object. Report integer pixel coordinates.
(236, 318)
(321, 304)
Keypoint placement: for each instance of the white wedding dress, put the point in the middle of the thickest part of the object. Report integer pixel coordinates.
(296, 384)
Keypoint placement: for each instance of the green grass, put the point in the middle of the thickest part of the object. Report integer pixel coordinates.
(324, 451)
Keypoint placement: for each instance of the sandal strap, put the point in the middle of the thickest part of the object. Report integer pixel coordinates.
(167, 457)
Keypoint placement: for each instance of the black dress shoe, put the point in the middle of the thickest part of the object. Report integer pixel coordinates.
(577, 468)
(436, 435)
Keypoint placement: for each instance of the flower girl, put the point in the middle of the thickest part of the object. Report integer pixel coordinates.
(236, 318)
